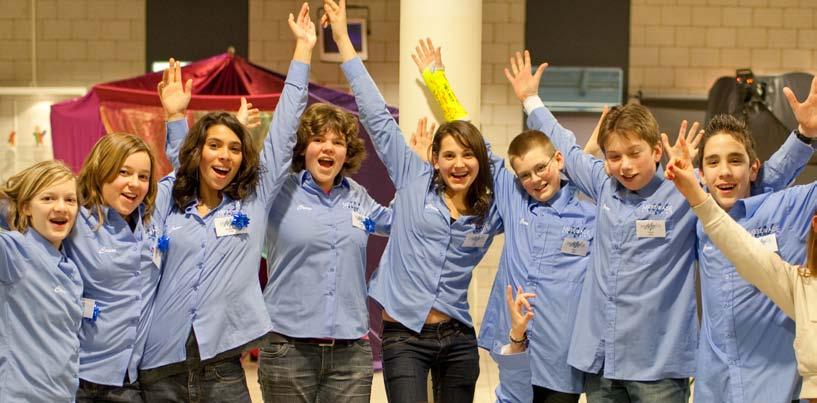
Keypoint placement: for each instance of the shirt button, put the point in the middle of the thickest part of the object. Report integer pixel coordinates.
(333, 247)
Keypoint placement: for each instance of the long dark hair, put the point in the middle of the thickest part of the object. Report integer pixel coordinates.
(480, 194)
(186, 187)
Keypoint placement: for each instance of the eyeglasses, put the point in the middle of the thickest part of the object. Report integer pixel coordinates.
(538, 170)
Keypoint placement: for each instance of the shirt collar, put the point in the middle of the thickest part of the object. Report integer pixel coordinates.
(53, 254)
(747, 207)
(647, 190)
(558, 202)
(307, 181)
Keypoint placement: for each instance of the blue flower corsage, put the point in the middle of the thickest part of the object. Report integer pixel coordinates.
(368, 224)
(96, 313)
(163, 243)
(240, 220)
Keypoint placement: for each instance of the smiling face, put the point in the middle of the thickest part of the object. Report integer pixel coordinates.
(53, 210)
(457, 166)
(539, 172)
(128, 188)
(324, 157)
(221, 158)
(727, 169)
(631, 160)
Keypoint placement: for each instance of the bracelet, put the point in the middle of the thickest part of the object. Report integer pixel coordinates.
(801, 137)
(521, 341)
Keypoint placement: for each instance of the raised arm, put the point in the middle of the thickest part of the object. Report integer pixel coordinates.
(758, 265)
(9, 269)
(585, 171)
(430, 64)
(174, 97)
(276, 156)
(791, 158)
(400, 161)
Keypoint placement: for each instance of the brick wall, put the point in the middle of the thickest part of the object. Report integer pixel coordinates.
(79, 42)
(683, 46)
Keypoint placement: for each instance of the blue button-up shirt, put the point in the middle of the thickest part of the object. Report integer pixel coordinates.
(118, 273)
(636, 318)
(533, 257)
(210, 283)
(746, 353)
(425, 264)
(316, 258)
(40, 313)
(514, 376)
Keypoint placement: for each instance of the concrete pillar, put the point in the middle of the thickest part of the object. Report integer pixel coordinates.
(456, 25)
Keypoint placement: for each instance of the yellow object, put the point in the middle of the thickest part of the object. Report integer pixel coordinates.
(437, 83)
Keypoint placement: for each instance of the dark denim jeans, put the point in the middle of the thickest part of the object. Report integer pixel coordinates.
(545, 395)
(303, 371)
(90, 392)
(217, 380)
(448, 350)
(603, 390)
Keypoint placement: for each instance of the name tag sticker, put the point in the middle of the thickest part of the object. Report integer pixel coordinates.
(651, 228)
(89, 309)
(224, 227)
(576, 247)
(769, 242)
(357, 220)
(475, 240)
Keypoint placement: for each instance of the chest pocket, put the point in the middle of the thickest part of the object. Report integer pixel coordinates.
(569, 244)
(353, 224)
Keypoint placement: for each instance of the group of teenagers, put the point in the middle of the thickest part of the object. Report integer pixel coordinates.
(116, 287)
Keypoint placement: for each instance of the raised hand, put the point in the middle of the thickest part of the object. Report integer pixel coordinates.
(592, 146)
(690, 140)
(174, 96)
(427, 56)
(335, 15)
(521, 313)
(680, 171)
(524, 82)
(248, 116)
(421, 139)
(805, 112)
(305, 34)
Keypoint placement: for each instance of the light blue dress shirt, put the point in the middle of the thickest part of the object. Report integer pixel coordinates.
(514, 376)
(210, 283)
(316, 258)
(40, 314)
(636, 318)
(118, 272)
(746, 350)
(426, 264)
(537, 256)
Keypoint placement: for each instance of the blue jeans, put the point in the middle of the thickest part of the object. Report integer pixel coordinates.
(90, 392)
(220, 379)
(448, 350)
(306, 371)
(603, 390)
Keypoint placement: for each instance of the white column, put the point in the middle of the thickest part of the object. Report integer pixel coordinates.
(456, 25)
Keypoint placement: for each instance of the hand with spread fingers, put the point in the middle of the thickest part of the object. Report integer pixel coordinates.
(805, 112)
(426, 56)
(421, 139)
(174, 96)
(525, 83)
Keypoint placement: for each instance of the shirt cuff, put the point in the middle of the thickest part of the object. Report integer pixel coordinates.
(353, 68)
(176, 128)
(532, 102)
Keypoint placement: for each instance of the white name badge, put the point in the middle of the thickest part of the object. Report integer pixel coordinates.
(650, 229)
(89, 309)
(475, 240)
(576, 247)
(224, 227)
(357, 220)
(769, 242)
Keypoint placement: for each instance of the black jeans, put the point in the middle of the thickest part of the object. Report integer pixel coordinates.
(220, 379)
(448, 350)
(90, 392)
(545, 395)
